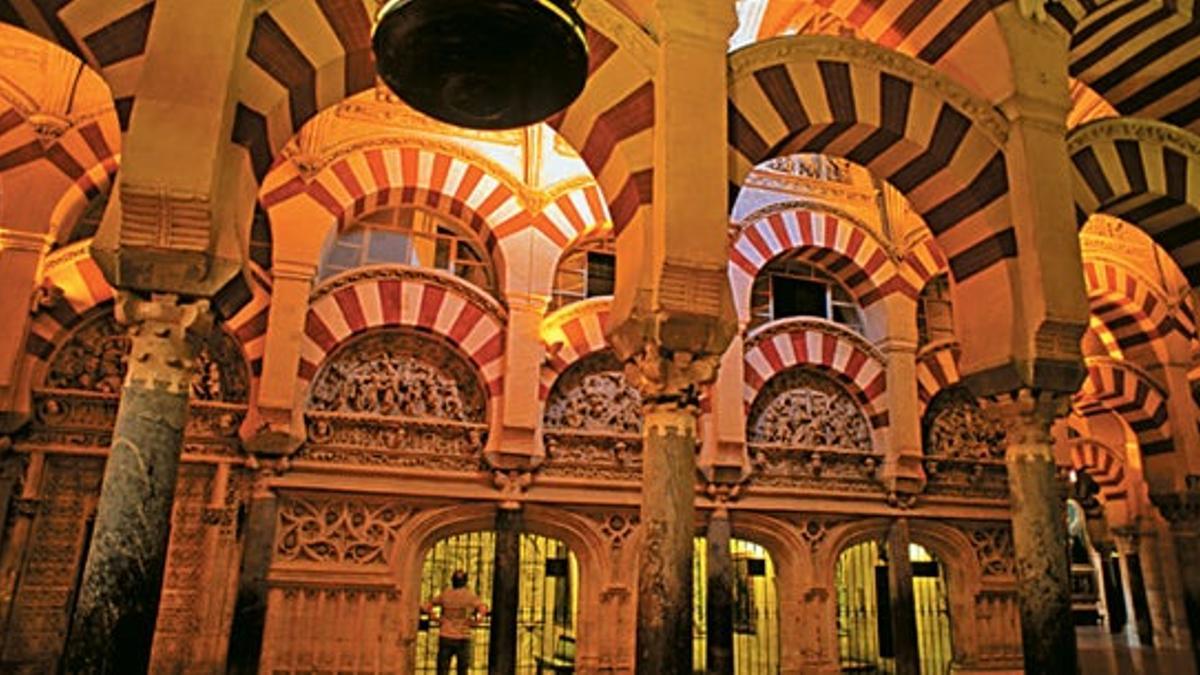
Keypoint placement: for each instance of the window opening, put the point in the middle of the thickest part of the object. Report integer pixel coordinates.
(588, 270)
(787, 287)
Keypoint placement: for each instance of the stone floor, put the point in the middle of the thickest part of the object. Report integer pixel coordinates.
(1103, 654)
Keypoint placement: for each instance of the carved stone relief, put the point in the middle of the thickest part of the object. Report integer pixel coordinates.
(337, 530)
(993, 547)
(964, 447)
(399, 373)
(805, 410)
(95, 359)
(593, 395)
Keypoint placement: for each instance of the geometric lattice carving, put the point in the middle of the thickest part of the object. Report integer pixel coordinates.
(593, 395)
(95, 357)
(956, 427)
(804, 409)
(337, 530)
(993, 546)
(399, 373)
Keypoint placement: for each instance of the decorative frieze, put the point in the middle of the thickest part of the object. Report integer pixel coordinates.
(340, 530)
(964, 448)
(802, 409)
(992, 544)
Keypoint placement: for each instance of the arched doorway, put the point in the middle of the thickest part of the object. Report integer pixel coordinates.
(864, 628)
(755, 608)
(549, 599)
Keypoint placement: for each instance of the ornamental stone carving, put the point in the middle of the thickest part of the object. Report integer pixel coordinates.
(95, 358)
(993, 547)
(399, 373)
(803, 409)
(593, 395)
(956, 427)
(337, 530)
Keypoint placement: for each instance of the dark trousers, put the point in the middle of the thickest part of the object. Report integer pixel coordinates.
(459, 649)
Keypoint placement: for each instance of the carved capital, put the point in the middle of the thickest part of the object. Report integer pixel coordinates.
(1026, 416)
(1181, 509)
(670, 377)
(512, 486)
(162, 357)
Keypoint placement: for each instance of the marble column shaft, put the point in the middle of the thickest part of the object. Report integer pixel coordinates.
(117, 604)
(1039, 537)
(664, 616)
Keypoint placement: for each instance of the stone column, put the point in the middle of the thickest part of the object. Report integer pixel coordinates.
(1139, 627)
(903, 471)
(506, 593)
(719, 598)
(1182, 511)
(900, 597)
(1114, 599)
(250, 606)
(117, 605)
(1039, 533)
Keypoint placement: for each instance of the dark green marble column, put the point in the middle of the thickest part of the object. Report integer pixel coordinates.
(113, 624)
(718, 600)
(664, 613)
(1040, 539)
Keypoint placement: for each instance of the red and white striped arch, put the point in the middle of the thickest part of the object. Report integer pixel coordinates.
(1121, 388)
(844, 250)
(937, 369)
(352, 303)
(83, 285)
(354, 184)
(571, 334)
(569, 216)
(923, 262)
(249, 324)
(805, 342)
(1103, 464)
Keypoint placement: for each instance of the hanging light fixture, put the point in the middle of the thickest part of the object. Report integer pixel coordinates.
(482, 64)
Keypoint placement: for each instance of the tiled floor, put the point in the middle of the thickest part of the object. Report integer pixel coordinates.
(1104, 654)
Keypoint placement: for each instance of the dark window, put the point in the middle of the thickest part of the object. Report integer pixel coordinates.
(797, 297)
(601, 273)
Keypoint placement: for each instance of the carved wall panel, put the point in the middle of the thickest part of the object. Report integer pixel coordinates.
(593, 395)
(399, 373)
(803, 409)
(337, 530)
(998, 631)
(964, 448)
(993, 547)
(593, 422)
(332, 630)
(37, 623)
(94, 358)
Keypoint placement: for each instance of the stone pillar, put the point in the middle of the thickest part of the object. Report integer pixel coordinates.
(250, 606)
(515, 440)
(1115, 613)
(113, 625)
(506, 593)
(900, 597)
(664, 616)
(20, 256)
(275, 423)
(1154, 586)
(1039, 533)
(1182, 511)
(903, 470)
(719, 598)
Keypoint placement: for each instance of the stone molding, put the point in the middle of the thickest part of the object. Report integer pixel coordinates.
(1135, 128)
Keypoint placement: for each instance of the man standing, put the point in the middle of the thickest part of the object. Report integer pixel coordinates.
(461, 611)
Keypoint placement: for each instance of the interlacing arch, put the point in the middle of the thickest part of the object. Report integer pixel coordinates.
(1122, 388)
(1105, 465)
(934, 141)
(823, 345)
(59, 135)
(937, 369)
(569, 215)
(571, 334)
(358, 182)
(1132, 310)
(845, 250)
(1143, 172)
(1139, 55)
(374, 297)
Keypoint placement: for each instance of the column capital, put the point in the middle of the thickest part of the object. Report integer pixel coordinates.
(289, 270)
(1181, 509)
(1027, 415)
(674, 378)
(159, 328)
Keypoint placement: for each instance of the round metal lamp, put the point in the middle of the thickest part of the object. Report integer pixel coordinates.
(482, 64)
